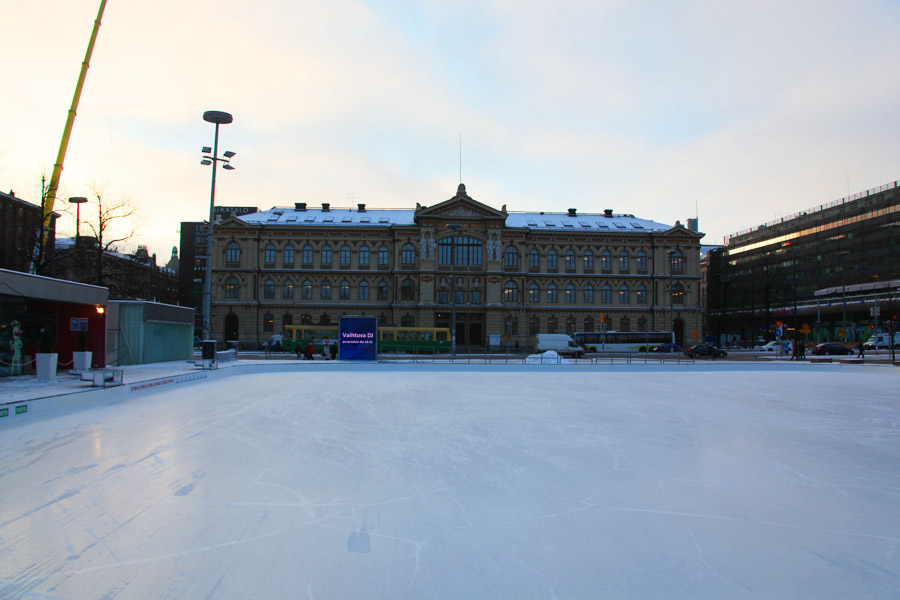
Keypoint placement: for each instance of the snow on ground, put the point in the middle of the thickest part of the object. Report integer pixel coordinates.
(550, 357)
(430, 481)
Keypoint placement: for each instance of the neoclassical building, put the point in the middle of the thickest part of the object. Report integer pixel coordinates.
(516, 274)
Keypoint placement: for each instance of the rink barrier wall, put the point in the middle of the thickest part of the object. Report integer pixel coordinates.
(81, 398)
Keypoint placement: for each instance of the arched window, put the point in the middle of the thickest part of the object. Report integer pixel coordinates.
(677, 294)
(641, 261)
(326, 256)
(467, 251)
(269, 289)
(363, 290)
(552, 261)
(325, 290)
(551, 325)
(641, 294)
(606, 260)
(268, 323)
(551, 293)
(232, 288)
(364, 256)
(589, 295)
(306, 290)
(534, 326)
(408, 255)
(534, 293)
(511, 257)
(383, 256)
(534, 260)
(407, 290)
(570, 294)
(511, 292)
(570, 260)
(382, 290)
(288, 256)
(269, 257)
(676, 261)
(606, 294)
(588, 324)
(287, 290)
(345, 256)
(344, 290)
(625, 324)
(570, 325)
(233, 253)
(623, 261)
(623, 294)
(308, 255)
(588, 260)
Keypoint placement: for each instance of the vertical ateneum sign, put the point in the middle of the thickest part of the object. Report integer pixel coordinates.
(358, 338)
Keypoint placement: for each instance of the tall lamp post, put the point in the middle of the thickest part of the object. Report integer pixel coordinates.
(218, 118)
(77, 201)
(453, 228)
(843, 293)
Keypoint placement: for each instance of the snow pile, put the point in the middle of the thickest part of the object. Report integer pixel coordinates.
(550, 357)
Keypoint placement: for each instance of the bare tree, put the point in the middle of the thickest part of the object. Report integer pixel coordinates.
(113, 224)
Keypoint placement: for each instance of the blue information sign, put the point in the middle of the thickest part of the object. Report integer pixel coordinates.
(358, 338)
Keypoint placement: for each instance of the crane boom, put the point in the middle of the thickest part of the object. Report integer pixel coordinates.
(50, 196)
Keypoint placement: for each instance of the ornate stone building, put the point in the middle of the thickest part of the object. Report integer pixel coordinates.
(516, 274)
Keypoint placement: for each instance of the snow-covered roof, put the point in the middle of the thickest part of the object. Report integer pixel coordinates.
(346, 217)
(583, 222)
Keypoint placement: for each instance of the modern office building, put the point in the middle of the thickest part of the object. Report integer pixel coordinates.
(501, 276)
(830, 273)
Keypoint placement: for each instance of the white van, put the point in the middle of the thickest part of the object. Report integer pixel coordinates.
(882, 340)
(560, 343)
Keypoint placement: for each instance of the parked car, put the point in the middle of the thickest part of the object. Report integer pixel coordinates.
(667, 347)
(705, 350)
(785, 347)
(831, 348)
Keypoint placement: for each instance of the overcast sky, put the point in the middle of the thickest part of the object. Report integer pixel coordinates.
(740, 112)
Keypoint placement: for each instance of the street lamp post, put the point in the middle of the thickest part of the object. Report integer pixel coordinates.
(453, 228)
(843, 294)
(77, 201)
(218, 118)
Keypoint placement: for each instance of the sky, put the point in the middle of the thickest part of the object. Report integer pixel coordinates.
(322, 480)
(737, 113)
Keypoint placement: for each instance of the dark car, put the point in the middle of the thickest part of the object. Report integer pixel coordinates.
(668, 347)
(831, 348)
(705, 350)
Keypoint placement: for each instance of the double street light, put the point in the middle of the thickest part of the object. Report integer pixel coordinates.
(211, 157)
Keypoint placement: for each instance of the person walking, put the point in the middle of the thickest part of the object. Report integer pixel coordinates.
(862, 350)
(802, 350)
(333, 349)
(309, 351)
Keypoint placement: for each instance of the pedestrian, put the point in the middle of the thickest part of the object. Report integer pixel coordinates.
(802, 350)
(309, 351)
(795, 352)
(517, 346)
(862, 350)
(333, 349)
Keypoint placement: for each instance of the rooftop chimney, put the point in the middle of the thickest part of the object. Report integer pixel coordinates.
(608, 213)
(572, 212)
(299, 205)
(361, 207)
(325, 207)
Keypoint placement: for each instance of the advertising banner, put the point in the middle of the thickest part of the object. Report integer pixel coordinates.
(358, 338)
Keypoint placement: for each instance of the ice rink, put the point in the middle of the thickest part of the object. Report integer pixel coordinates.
(453, 482)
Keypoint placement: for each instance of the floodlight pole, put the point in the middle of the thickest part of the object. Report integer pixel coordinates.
(453, 227)
(218, 118)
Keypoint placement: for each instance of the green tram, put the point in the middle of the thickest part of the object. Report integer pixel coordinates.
(413, 340)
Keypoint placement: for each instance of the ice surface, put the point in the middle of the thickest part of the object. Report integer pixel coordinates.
(452, 482)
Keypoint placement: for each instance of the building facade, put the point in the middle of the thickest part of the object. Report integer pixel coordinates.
(20, 231)
(506, 276)
(830, 273)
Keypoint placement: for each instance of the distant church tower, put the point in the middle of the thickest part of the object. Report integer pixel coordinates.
(172, 265)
